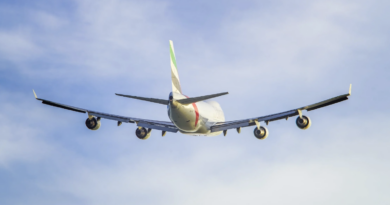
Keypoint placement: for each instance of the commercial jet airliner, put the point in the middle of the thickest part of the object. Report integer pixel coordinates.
(194, 115)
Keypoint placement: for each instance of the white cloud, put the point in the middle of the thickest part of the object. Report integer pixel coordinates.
(17, 46)
(100, 39)
(21, 139)
(338, 169)
(48, 21)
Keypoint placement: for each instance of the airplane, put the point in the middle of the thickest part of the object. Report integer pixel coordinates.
(194, 115)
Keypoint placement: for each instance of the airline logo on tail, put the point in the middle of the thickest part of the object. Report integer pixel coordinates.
(175, 75)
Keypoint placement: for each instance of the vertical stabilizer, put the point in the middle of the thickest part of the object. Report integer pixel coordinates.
(175, 75)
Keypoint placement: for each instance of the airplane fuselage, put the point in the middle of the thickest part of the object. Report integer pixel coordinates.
(195, 118)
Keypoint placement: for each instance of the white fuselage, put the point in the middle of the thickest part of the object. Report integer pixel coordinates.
(195, 118)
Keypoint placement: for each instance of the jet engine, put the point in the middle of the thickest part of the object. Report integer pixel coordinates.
(93, 123)
(143, 133)
(303, 122)
(261, 133)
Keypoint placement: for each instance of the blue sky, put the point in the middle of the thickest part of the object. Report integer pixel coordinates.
(271, 56)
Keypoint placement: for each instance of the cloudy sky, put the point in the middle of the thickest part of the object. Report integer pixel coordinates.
(271, 56)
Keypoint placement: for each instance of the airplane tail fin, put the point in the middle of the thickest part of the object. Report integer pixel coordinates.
(174, 73)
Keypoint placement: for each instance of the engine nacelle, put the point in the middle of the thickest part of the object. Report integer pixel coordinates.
(143, 133)
(261, 133)
(93, 123)
(304, 122)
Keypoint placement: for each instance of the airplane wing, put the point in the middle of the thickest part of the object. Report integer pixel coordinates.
(282, 115)
(152, 124)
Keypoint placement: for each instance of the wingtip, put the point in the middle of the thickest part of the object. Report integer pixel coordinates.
(350, 89)
(35, 95)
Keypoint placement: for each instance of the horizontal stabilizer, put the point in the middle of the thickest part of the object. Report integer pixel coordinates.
(201, 98)
(154, 100)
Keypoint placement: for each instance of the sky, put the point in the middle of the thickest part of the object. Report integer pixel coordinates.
(271, 56)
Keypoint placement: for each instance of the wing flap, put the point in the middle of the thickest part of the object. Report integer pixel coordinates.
(62, 106)
(216, 128)
(251, 121)
(278, 116)
(111, 116)
(326, 102)
(157, 126)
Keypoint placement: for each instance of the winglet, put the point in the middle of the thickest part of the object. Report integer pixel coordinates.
(35, 94)
(350, 89)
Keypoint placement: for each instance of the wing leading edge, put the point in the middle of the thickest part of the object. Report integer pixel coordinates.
(282, 115)
(152, 124)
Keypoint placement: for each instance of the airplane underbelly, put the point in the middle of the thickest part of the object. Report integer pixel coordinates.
(185, 118)
(196, 118)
